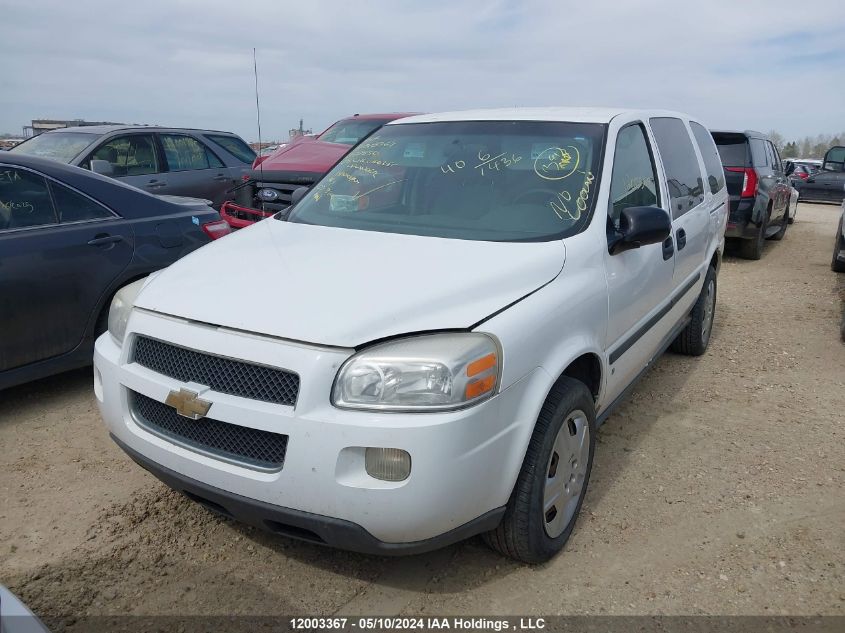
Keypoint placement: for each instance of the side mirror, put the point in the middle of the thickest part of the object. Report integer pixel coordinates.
(298, 194)
(102, 167)
(638, 226)
(790, 168)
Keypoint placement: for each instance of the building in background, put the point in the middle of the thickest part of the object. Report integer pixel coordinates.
(8, 142)
(45, 125)
(300, 131)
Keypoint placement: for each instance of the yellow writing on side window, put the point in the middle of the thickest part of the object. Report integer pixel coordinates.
(9, 176)
(17, 206)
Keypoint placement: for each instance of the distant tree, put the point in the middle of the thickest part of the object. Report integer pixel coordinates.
(790, 150)
(806, 147)
(776, 138)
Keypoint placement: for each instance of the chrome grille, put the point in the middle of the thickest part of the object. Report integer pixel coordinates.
(234, 377)
(240, 444)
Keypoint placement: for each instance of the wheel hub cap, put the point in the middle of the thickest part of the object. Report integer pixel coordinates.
(565, 473)
(709, 307)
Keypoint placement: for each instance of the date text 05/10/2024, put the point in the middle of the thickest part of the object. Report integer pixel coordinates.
(418, 624)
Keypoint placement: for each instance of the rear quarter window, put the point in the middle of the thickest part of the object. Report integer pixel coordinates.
(758, 152)
(712, 162)
(235, 146)
(683, 175)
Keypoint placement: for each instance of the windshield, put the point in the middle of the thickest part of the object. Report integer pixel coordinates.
(59, 146)
(350, 131)
(474, 180)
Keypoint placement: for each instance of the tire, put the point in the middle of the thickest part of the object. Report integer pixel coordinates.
(695, 337)
(753, 249)
(777, 237)
(529, 533)
(836, 265)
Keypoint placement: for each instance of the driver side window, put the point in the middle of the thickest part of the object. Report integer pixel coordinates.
(634, 180)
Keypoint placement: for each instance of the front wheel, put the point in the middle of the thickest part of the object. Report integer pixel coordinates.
(552, 483)
(695, 337)
(837, 265)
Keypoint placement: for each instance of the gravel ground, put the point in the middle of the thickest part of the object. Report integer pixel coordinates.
(717, 489)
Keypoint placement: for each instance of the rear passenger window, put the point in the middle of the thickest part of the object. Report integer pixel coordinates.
(74, 207)
(634, 181)
(712, 162)
(683, 175)
(185, 153)
(24, 199)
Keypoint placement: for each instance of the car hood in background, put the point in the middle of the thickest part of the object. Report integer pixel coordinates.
(344, 287)
(305, 155)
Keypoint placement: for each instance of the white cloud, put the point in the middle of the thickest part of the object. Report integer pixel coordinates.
(756, 64)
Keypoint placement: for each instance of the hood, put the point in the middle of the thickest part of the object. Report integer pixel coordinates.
(306, 155)
(343, 287)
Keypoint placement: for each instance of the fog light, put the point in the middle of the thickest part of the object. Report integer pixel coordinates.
(388, 464)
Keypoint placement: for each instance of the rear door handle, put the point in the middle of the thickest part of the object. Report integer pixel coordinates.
(155, 184)
(681, 235)
(221, 177)
(105, 239)
(668, 248)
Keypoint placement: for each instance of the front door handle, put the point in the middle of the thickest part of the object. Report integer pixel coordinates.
(155, 184)
(104, 239)
(668, 248)
(221, 177)
(681, 235)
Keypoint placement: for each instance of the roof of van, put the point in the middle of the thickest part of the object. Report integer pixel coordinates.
(572, 114)
(748, 133)
(106, 129)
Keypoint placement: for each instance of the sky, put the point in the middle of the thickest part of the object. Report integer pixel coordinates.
(759, 64)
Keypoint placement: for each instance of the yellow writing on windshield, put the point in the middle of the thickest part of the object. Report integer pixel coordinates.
(495, 163)
(559, 206)
(557, 163)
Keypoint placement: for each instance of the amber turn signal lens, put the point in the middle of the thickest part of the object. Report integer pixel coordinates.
(482, 364)
(480, 386)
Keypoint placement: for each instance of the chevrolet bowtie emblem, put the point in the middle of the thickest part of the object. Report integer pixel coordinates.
(188, 404)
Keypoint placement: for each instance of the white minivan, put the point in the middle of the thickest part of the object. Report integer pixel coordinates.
(423, 348)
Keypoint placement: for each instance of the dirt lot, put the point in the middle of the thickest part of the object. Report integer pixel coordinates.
(717, 488)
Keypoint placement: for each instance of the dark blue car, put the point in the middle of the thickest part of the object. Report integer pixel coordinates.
(69, 239)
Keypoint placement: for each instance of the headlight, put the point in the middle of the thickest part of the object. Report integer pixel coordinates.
(434, 372)
(121, 307)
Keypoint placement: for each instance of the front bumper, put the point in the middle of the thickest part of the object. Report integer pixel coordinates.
(305, 525)
(464, 463)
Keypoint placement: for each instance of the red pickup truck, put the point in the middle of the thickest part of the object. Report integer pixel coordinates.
(267, 189)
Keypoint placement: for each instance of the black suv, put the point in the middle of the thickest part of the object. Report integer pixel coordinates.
(758, 187)
(827, 184)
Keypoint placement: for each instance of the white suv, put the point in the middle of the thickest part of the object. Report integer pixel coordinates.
(423, 350)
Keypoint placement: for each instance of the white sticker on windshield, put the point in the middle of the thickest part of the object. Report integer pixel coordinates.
(414, 150)
(343, 204)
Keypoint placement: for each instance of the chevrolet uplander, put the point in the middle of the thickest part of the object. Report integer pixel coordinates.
(442, 322)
